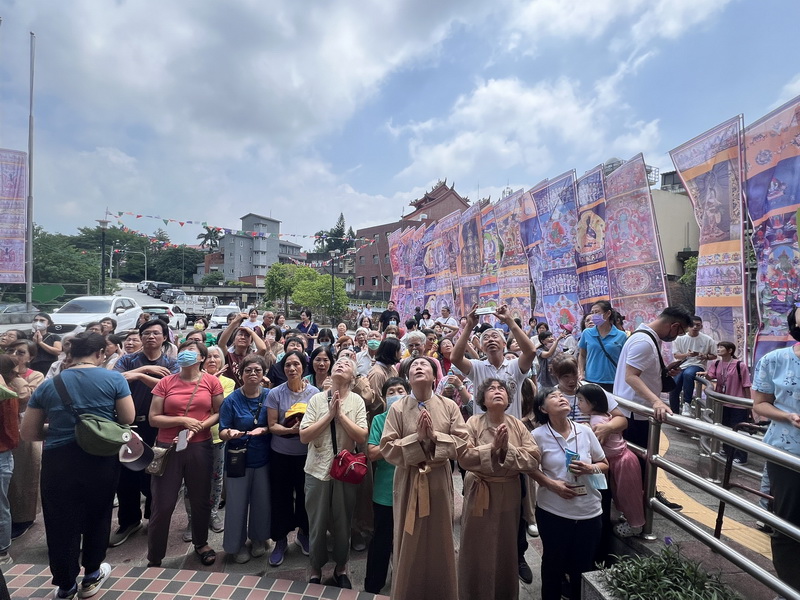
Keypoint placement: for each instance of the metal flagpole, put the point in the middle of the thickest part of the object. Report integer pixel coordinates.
(29, 244)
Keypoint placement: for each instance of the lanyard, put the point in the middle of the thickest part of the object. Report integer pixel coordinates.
(563, 449)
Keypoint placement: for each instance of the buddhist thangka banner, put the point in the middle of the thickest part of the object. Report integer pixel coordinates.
(635, 268)
(490, 294)
(433, 263)
(398, 278)
(470, 261)
(418, 271)
(13, 215)
(513, 277)
(446, 259)
(590, 248)
(710, 166)
(532, 242)
(555, 205)
(772, 171)
(407, 244)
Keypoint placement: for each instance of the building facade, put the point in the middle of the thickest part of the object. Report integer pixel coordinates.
(247, 257)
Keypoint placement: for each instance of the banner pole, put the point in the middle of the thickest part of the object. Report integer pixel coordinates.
(29, 233)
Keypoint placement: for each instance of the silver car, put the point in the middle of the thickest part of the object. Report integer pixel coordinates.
(73, 317)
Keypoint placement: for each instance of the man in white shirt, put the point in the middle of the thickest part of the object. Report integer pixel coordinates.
(448, 323)
(695, 349)
(512, 371)
(638, 376)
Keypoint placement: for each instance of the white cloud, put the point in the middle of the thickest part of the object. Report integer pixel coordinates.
(788, 92)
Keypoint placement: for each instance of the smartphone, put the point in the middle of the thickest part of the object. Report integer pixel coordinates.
(183, 440)
(675, 364)
(485, 310)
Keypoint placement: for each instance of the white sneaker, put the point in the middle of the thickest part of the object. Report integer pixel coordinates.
(187, 533)
(624, 530)
(242, 556)
(533, 531)
(686, 410)
(5, 559)
(216, 525)
(90, 588)
(258, 549)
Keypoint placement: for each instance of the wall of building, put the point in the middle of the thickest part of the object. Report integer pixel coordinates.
(677, 228)
(248, 256)
(373, 270)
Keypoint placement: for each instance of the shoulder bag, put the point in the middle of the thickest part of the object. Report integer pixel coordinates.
(667, 381)
(603, 348)
(236, 458)
(346, 466)
(160, 455)
(95, 435)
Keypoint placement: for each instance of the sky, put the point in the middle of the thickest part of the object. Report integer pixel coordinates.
(299, 110)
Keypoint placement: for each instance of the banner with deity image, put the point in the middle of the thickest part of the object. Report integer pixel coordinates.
(636, 278)
(398, 278)
(419, 278)
(447, 233)
(710, 168)
(590, 243)
(470, 261)
(557, 215)
(772, 189)
(13, 216)
(531, 236)
(490, 293)
(513, 277)
(406, 253)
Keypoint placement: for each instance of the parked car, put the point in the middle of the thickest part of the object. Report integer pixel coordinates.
(155, 288)
(16, 313)
(219, 318)
(171, 295)
(177, 318)
(142, 285)
(73, 317)
(197, 305)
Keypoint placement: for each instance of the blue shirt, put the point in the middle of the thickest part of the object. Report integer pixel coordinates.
(384, 471)
(141, 392)
(778, 374)
(93, 390)
(238, 412)
(599, 368)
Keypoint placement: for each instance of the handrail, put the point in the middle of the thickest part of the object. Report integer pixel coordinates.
(718, 433)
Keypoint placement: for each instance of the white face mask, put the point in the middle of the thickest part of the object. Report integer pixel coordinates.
(391, 400)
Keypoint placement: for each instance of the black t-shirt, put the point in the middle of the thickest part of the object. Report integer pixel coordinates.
(43, 359)
(387, 316)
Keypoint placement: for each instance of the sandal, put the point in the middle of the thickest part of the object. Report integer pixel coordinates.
(314, 579)
(208, 557)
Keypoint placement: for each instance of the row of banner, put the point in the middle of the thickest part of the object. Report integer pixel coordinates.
(569, 242)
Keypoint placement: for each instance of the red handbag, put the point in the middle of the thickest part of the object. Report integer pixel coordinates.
(346, 466)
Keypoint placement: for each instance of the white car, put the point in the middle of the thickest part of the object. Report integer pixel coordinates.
(177, 318)
(142, 285)
(219, 318)
(73, 317)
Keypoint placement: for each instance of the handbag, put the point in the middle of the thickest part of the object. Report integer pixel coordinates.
(346, 466)
(667, 381)
(95, 435)
(158, 465)
(603, 348)
(236, 458)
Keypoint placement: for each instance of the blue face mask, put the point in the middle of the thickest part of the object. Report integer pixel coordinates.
(187, 358)
(325, 344)
(391, 400)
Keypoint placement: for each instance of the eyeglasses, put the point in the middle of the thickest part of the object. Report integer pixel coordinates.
(254, 370)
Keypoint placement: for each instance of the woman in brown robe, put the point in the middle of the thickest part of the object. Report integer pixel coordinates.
(502, 450)
(422, 433)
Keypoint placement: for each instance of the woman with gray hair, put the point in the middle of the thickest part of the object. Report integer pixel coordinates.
(330, 503)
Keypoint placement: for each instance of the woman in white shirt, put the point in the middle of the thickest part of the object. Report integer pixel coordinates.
(568, 508)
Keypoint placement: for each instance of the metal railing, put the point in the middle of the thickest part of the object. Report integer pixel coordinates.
(717, 434)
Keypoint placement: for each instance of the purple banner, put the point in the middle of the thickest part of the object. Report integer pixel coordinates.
(590, 248)
(471, 260)
(13, 215)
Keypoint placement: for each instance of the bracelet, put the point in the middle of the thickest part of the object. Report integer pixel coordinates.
(596, 469)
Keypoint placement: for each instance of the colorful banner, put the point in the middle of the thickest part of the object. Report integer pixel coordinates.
(531, 236)
(513, 277)
(710, 168)
(471, 259)
(13, 215)
(398, 280)
(772, 188)
(422, 242)
(590, 248)
(636, 279)
(557, 215)
(489, 294)
(406, 306)
(446, 259)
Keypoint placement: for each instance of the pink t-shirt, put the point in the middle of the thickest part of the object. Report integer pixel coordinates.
(176, 393)
(615, 444)
(732, 377)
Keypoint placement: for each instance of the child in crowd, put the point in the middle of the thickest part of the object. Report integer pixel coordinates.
(626, 474)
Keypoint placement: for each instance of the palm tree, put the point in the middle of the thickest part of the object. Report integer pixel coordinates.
(210, 238)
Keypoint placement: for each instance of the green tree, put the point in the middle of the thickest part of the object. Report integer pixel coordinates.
(176, 265)
(212, 278)
(57, 260)
(687, 285)
(333, 239)
(316, 295)
(209, 238)
(282, 279)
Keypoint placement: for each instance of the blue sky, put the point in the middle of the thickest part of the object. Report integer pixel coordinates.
(302, 110)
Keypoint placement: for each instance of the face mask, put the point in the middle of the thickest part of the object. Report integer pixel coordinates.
(199, 326)
(391, 400)
(39, 326)
(270, 338)
(187, 358)
(325, 344)
(414, 353)
(373, 344)
(392, 322)
(597, 319)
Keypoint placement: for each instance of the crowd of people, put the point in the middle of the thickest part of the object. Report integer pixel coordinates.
(256, 415)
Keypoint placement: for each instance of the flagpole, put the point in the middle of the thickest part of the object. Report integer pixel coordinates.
(29, 234)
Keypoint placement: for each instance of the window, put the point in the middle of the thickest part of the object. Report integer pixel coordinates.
(362, 260)
(377, 237)
(360, 282)
(374, 281)
(386, 259)
(375, 259)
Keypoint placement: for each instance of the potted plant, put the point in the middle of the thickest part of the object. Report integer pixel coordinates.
(666, 576)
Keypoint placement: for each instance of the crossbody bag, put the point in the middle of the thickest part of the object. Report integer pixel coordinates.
(236, 458)
(158, 465)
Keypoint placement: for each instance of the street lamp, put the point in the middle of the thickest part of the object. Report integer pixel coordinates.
(103, 226)
(334, 255)
(145, 260)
